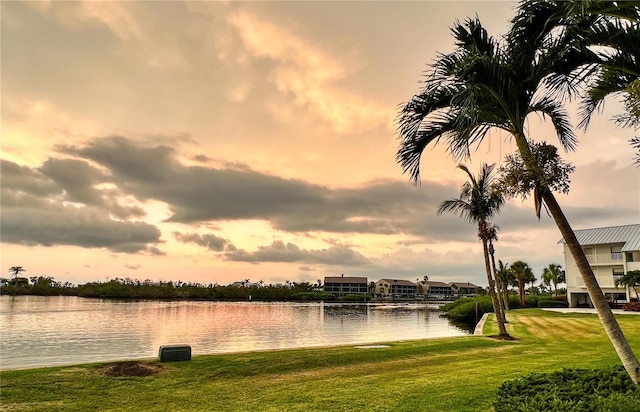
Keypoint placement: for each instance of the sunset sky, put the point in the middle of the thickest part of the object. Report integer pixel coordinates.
(221, 141)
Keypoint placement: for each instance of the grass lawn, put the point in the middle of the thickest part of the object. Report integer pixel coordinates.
(450, 374)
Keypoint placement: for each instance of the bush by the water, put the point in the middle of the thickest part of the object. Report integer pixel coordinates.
(570, 390)
(465, 308)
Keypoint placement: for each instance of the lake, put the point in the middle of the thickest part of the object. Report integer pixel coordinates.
(62, 330)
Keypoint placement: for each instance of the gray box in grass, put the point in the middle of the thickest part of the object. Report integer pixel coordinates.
(174, 353)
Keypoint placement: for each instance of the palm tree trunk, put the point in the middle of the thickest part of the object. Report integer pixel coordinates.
(499, 284)
(521, 292)
(505, 290)
(611, 327)
(492, 292)
(609, 322)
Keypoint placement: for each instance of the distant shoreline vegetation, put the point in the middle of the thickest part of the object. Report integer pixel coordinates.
(127, 288)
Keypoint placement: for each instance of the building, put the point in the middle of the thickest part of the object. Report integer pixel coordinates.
(397, 288)
(463, 288)
(436, 290)
(611, 252)
(345, 285)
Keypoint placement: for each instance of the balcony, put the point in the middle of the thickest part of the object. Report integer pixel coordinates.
(605, 281)
(606, 259)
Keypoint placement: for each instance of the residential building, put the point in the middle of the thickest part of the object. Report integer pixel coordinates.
(345, 285)
(611, 252)
(463, 288)
(397, 288)
(436, 290)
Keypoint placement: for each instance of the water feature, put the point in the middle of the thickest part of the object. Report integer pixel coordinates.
(61, 330)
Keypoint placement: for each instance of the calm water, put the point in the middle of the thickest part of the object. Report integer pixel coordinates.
(47, 331)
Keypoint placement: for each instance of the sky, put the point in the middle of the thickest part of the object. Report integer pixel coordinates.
(213, 142)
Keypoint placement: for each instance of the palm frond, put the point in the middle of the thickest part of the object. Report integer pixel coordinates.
(560, 119)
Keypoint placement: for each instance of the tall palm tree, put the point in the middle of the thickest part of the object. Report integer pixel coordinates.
(485, 84)
(553, 274)
(606, 40)
(523, 274)
(479, 201)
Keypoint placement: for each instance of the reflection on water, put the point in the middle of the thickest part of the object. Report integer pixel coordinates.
(60, 330)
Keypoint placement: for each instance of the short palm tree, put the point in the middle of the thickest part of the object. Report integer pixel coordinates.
(485, 84)
(479, 201)
(630, 279)
(523, 274)
(16, 270)
(505, 278)
(553, 274)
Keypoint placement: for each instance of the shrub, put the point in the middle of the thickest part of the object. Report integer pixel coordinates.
(514, 302)
(632, 306)
(313, 296)
(531, 301)
(552, 304)
(570, 390)
(355, 297)
(465, 308)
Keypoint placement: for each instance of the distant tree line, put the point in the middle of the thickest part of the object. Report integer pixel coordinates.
(127, 288)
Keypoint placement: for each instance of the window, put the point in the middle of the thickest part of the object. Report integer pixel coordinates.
(617, 274)
(588, 250)
(616, 252)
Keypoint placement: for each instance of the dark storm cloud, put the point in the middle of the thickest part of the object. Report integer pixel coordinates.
(279, 251)
(34, 212)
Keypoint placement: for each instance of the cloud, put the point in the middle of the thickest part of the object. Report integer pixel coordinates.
(311, 76)
(35, 212)
(212, 242)
(117, 176)
(68, 225)
(279, 251)
(198, 194)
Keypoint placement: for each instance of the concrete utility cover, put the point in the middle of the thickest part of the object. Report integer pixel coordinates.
(372, 346)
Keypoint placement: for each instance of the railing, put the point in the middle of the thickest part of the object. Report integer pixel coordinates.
(605, 258)
(605, 281)
(633, 266)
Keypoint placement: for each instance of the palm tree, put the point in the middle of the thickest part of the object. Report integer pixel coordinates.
(523, 274)
(478, 203)
(15, 271)
(602, 41)
(485, 84)
(505, 278)
(630, 279)
(553, 274)
(491, 233)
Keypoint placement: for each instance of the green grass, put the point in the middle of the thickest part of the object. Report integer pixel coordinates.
(460, 374)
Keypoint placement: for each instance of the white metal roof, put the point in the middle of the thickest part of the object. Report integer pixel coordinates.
(628, 234)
